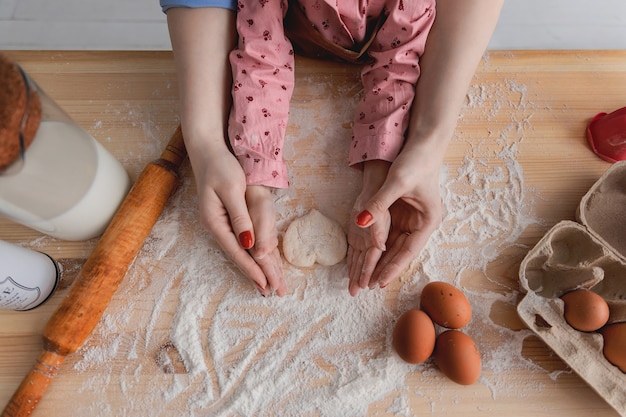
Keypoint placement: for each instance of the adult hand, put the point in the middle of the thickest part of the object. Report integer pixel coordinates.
(242, 219)
(409, 202)
(410, 193)
(202, 38)
(367, 245)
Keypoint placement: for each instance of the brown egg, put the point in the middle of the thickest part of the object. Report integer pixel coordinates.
(458, 357)
(414, 336)
(585, 310)
(446, 305)
(615, 344)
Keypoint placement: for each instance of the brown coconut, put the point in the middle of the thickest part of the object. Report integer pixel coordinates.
(20, 111)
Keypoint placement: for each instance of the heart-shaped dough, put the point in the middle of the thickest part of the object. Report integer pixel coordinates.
(314, 238)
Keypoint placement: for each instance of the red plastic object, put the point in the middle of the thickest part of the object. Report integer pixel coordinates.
(606, 134)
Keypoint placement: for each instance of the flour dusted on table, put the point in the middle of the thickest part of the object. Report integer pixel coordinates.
(204, 343)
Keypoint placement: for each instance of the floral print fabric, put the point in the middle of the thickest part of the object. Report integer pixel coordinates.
(263, 77)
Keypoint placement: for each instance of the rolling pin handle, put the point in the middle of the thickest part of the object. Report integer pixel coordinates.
(34, 385)
(175, 151)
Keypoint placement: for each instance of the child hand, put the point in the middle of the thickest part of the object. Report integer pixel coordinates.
(224, 212)
(410, 198)
(365, 248)
(367, 245)
(265, 249)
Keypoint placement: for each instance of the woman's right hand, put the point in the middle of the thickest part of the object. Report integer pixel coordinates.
(241, 218)
(202, 38)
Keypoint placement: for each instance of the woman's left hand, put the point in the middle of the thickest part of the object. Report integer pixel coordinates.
(367, 245)
(394, 224)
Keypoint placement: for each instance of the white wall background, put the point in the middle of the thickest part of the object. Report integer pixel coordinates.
(139, 24)
(561, 24)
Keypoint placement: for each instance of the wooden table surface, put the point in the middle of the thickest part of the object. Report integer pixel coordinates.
(525, 109)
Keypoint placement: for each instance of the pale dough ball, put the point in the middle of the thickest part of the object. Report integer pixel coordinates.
(314, 238)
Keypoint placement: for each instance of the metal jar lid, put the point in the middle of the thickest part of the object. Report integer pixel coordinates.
(20, 112)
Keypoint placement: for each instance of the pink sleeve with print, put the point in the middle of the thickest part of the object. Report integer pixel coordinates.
(383, 114)
(263, 82)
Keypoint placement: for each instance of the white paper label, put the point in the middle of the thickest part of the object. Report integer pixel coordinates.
(18, 297)
(27, 277)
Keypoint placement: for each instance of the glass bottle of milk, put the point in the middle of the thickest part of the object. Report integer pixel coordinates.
(61, 182)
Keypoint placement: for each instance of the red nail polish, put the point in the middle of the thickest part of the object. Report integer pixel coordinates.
(364, 218)
(245, 238)
(261, 289)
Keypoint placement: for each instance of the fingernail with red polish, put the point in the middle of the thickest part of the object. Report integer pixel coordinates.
(364, 218)
(245, 238)
(261, 289)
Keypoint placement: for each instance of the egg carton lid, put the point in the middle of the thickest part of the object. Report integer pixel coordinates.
(603, 209)
(553, 267)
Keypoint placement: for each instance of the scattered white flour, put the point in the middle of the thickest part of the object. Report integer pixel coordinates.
(219, 349)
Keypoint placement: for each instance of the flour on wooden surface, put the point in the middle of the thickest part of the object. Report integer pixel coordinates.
(223, 350)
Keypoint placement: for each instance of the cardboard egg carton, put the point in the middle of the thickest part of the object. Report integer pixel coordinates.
(590, 254)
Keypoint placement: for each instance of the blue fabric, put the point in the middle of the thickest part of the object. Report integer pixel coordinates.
(225, 4)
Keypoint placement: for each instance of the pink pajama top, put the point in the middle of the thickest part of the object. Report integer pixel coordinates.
(263, 77)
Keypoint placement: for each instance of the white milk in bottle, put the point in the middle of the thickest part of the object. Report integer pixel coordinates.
(61, 181)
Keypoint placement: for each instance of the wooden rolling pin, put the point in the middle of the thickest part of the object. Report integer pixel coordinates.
(81, 309)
